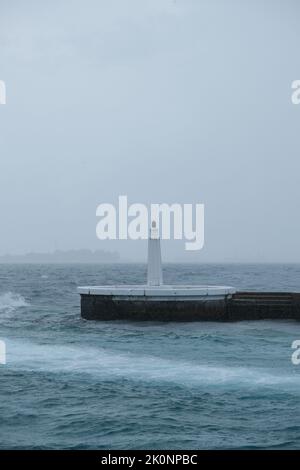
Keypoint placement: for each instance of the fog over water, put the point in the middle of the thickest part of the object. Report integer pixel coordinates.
(162, 101)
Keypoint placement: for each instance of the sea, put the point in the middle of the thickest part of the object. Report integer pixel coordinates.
(69, 383)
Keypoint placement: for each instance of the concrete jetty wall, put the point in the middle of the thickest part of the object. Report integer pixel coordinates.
(236, 307)
(105, 308)
(263, 306)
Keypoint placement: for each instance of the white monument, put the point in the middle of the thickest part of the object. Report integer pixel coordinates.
(161, 301)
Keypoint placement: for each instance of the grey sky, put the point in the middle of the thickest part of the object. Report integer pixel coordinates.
(166, 101)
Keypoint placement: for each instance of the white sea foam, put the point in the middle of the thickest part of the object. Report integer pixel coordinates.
(10, 302)
(109, 364)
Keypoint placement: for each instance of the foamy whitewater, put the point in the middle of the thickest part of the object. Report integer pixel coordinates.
(70, 383)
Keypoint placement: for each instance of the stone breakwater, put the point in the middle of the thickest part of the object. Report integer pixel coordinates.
(231, 307)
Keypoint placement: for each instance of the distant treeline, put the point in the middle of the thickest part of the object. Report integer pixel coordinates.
(58, 256)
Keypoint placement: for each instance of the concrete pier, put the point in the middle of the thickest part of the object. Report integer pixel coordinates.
(263, 306)
(155, 301)
(163, 303)
(223, 306)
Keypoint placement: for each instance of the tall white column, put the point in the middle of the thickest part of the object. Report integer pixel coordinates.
(154, 258)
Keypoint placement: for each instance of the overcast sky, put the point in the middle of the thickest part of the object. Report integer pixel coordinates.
(165, 101)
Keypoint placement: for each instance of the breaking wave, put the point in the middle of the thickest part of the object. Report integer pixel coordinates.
(108, 364)
(9, 302)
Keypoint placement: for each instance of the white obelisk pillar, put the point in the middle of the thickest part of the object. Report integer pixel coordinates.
(154, 258)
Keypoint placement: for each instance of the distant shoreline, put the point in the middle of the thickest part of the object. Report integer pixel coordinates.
(63, 257)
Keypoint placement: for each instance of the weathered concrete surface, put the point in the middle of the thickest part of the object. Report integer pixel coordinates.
(263, 306)
(96, 307)
(239, 306)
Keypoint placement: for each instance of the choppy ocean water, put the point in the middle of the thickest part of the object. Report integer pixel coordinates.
(73, 384)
